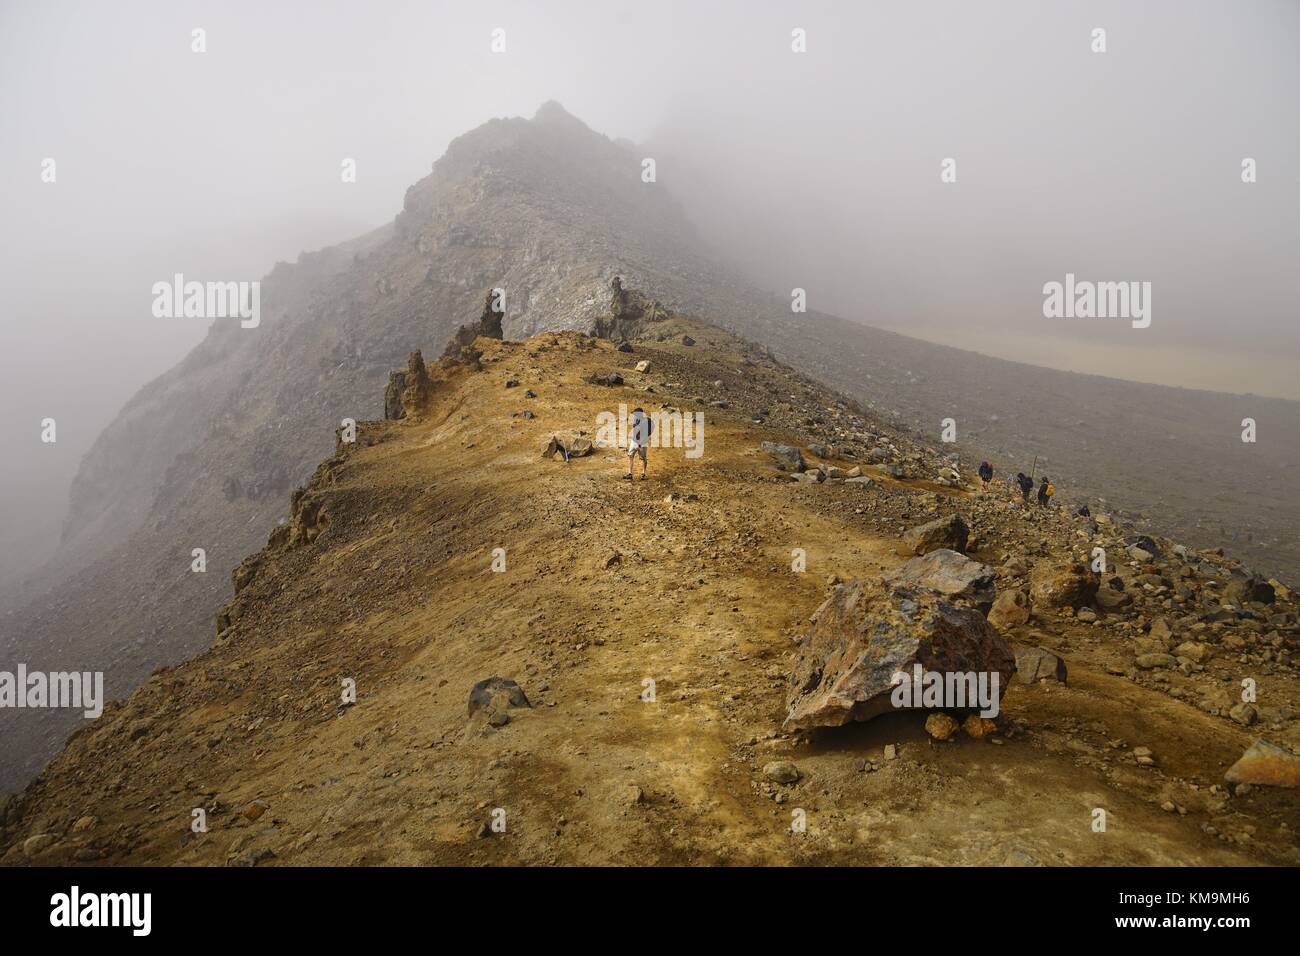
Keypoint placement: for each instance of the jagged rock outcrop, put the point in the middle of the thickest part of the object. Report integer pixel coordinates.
(629, 313)
(309, 518)
(461, 347)
(408, 388)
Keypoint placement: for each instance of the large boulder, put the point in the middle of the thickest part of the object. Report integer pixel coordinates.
(567, 449)
(1063, 584)
(951, 532)
(951, 574)
(865, 633)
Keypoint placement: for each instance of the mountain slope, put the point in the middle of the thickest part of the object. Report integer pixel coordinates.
(384, 577)
(205, 456)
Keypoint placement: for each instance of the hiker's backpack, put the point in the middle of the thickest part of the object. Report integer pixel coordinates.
(1051, 490)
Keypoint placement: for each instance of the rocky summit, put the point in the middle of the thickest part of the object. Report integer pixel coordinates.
(466, 644)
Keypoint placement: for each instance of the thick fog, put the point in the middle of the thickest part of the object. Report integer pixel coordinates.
(819, 169)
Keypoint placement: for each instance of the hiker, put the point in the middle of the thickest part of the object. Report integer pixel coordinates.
(1026, 485)
(639, 428)
(986, 474)
(1045, 491)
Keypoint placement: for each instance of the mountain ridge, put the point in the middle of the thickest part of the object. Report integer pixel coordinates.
(206, 454)
(438, 552)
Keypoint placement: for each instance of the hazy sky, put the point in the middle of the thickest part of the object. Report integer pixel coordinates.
(818, 170)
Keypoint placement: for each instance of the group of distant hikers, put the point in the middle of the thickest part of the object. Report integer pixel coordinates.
(1026, 485)
(640, 427)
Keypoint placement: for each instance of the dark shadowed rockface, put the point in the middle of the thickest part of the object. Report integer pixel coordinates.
(206, 455)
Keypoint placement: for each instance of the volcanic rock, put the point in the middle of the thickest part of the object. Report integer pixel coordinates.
(1034, 664)
(864, 634)
(1267, 764)
(1010, 609)
(951, 574)
(1064, 584)
(951, 532)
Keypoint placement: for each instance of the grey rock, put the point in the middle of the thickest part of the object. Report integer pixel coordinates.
(790, 458)
(1034, 664)
(953, 575)
(1244, 714)
(782, 771)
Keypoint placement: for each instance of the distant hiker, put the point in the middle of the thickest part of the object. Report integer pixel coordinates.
(986, 474)
(1045, 491)
(1026, 484)
(639, 428)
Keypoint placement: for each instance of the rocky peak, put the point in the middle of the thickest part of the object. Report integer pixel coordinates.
(461, 346)
(552, 111)
(408, 388)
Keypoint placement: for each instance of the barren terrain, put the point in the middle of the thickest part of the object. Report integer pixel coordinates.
(684, 580)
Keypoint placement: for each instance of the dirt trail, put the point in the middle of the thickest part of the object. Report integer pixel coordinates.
(685, 581)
